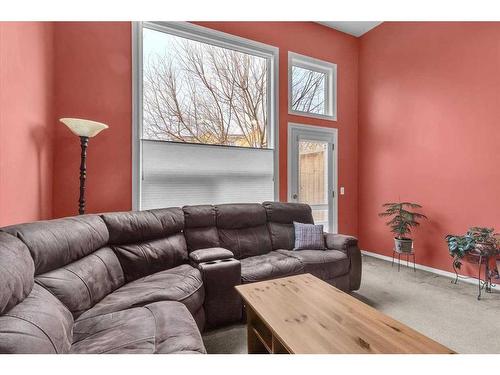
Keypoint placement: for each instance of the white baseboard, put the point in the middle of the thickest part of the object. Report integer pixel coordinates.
(421, 267)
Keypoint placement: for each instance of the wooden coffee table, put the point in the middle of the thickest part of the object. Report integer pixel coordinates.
(303, 314)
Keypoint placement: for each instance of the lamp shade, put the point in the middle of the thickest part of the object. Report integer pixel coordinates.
(83, 128)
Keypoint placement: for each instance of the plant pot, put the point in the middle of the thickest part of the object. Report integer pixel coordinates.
(473, 257)
(403, 245)
(485, 249)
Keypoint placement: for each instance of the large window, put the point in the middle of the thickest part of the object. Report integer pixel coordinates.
(311, 87)
(205, 117)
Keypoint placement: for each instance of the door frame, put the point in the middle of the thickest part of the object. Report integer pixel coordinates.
(316, 132)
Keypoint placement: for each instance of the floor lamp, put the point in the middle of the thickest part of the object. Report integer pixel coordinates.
(85, 129)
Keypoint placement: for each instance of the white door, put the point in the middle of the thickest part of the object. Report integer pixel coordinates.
(312, 171)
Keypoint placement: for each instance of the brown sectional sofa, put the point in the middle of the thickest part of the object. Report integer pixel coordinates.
(150, 281)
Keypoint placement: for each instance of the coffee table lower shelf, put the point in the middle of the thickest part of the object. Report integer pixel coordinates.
(260, 339)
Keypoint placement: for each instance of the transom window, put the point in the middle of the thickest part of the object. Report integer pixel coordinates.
(312, 87)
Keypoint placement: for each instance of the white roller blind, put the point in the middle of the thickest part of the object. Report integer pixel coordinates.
(176, 174)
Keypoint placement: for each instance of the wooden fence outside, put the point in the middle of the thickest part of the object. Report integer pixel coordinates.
(312, 178)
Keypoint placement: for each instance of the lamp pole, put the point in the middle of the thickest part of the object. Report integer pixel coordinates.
(84, 141)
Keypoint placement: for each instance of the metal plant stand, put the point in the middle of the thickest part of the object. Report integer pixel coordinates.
(478, 258)
(408, 255)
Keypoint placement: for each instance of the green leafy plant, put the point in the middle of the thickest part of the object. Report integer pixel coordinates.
(486, 236)
(402, 220)
(460, 246)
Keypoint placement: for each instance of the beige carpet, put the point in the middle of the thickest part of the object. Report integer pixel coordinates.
(431, 304)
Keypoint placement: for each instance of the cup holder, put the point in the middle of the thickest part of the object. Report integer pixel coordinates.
(219, 261)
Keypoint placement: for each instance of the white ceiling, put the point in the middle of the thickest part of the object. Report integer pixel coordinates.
(356, 28)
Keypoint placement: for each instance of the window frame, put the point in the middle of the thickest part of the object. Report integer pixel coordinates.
(319, 66)
(217, 38)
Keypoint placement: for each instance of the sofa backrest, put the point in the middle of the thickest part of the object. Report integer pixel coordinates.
(200, 227)
(32, 320)
(280, 218)
(55, 243)
(71, 259)
(243, 229)
(147, 241)
(16, 272)
(240, 227)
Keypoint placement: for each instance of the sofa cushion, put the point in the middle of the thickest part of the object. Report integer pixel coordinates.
(147, 241)
(183, 284)
(39, 324)
(200, 230)
(280, 217)
(55, 243)
(161, 327)
(146, 258)
(177, 331)
(16, 272)
(141, 226)
(243, 229)
(269, 266)
(83, 283)
(246, 242)
(325, 264)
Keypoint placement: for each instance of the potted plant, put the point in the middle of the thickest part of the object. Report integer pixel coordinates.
(477, 241)
(401, 223)
(486, 240)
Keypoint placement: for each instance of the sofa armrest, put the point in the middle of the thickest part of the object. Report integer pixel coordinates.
(210, 254)
(222, 304)
(339, 241)
(349, 246)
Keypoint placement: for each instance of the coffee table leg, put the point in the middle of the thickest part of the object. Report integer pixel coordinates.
(254, 345)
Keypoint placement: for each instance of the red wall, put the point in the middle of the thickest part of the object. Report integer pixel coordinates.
(429, 114)
(93, 80)
(26, 121)
(93, 63)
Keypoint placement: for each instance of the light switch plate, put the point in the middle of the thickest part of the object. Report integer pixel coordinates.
(341, 190)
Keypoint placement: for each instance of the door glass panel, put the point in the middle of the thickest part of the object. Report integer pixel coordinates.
(313, 178)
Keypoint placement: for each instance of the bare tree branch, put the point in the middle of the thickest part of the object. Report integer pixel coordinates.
(308, 90)
(200, 93)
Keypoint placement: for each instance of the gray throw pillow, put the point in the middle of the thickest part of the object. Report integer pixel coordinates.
(308, 237)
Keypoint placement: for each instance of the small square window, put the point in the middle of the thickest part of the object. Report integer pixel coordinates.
(311, 87)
